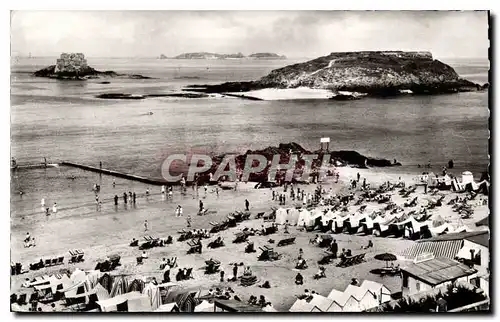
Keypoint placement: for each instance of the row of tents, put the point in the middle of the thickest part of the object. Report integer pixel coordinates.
(408, 225)
(94, 291)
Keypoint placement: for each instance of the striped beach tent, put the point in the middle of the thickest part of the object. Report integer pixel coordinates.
(120, 286)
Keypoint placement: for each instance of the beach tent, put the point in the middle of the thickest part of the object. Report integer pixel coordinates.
(93, 278)
(135, 302)
(204, 306)
(101, 292)
(293, 216)
(106, 281)
(305, 218)
(269, 308)
(153, 293)
(172, 307)
(120, 286)
(301, 306)
(136, 285)
(281, 216)
(330, 215)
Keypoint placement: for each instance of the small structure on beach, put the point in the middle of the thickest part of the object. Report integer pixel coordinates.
(431, 272)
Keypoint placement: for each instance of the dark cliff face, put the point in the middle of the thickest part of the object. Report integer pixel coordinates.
(84, 73)
(373, 73)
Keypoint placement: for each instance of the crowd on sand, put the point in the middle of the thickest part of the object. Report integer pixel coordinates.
(291, 195)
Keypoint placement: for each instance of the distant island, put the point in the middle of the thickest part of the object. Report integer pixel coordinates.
(267, 56)
(357, 74)
(207, 55)
(74, 66)
(163, 56)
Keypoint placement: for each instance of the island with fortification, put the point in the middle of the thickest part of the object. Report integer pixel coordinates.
(73, 66)
(353, 75)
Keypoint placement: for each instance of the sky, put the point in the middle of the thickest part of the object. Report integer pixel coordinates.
(446, 34)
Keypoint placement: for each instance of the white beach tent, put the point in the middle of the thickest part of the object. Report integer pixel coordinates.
(169, 307)
(293, 216)
(330, 215)
(153, 293)
(136, 302)
(281, 216)
(204, 306)
(301, 306)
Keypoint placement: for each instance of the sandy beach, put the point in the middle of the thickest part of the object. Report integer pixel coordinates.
(109, 231)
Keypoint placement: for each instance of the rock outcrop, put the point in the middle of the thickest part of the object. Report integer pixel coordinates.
(374, 73)
(266, 56)
(74, 66)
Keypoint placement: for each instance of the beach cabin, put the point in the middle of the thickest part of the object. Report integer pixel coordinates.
(428, 272)
(476, 253)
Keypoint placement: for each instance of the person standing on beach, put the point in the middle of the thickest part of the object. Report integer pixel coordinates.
(359, 176)
(145, 225)
(116, 200)
(125, 198)
(235, 271)
(334, 247)
(43, 202)
(222, 276)
(114, 183)
(206, 189)
(54, 208)
(147, 192)
(188, 221)
(201, 206)
(162, 190)
(274, 196)
(217, 190)
(286, 227)
(170, 192)
(364, 183)
(247, 204)
(133, 197)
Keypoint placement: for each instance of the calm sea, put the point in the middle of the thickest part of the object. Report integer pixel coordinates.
(61, 120)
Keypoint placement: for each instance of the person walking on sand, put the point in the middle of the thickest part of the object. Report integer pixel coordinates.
(247, 205)
(116, 200)
(188, 221)
(145, 225)
(125, 198)
(201, 206)
(43, 202)
(359, 176)
(54, 208)
(286, 227)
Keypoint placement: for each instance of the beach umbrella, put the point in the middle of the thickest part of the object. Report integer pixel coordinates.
(386, 257)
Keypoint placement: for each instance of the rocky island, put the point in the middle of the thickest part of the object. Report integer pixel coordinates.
(205, 55)
(358, 74)
(266, 56)
(74, 66)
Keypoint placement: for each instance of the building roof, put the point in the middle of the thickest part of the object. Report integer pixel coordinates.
(484, 222)
(445, 248)
(454, 236)
(438, 270)
(482, 239)
(236, 306)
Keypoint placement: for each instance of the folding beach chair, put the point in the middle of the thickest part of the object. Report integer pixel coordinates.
(189, 273)
(60, 260)
(48, 262)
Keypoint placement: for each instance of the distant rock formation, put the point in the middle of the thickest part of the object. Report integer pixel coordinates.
(368, 73)
(74, 66)
(205, 55)
(163, 56)
(266, 56)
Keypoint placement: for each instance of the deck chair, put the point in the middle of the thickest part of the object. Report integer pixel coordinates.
(259, 215)
(48, 262)
(139, 260)
(60, 260)
(240, 238)
(172, 262)
(79, 258)
(189, 273)
(54, 261)
(21, 300)
(134, 243)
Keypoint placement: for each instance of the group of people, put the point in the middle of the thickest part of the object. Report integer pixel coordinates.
(47, 209)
